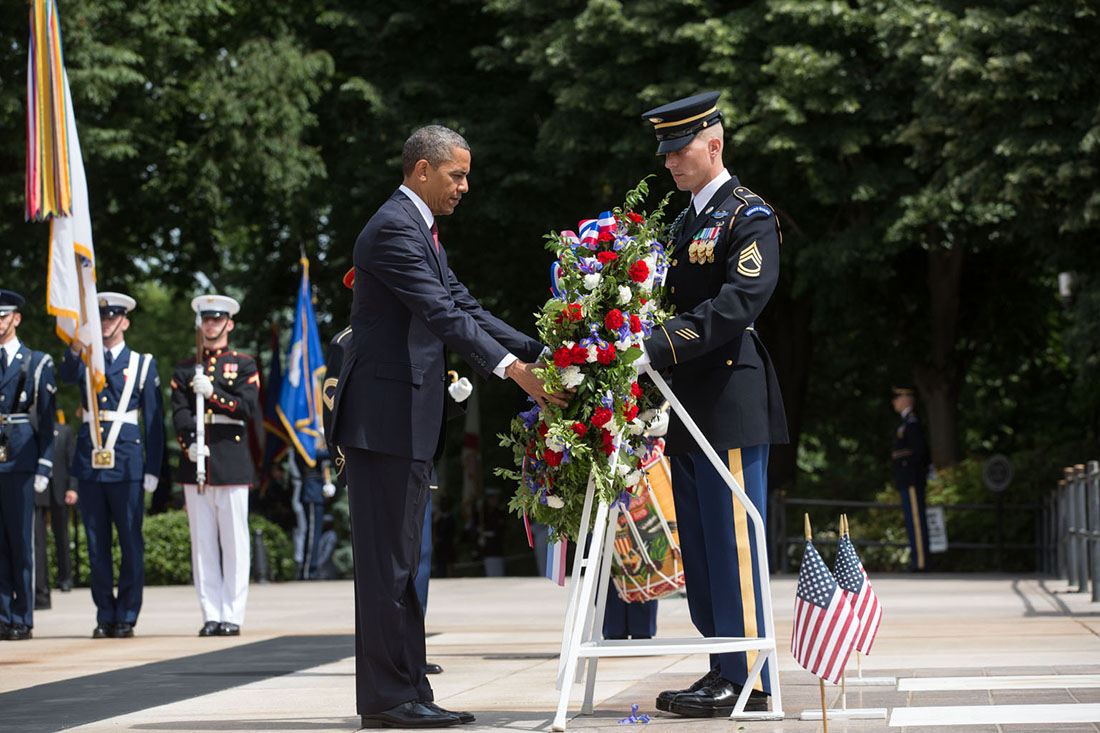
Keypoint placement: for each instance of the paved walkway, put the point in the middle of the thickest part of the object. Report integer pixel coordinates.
(970, 653)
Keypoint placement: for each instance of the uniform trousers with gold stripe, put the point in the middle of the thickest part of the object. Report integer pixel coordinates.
(721, 566)
(916, 523)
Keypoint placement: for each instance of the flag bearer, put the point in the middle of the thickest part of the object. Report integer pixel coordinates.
(26, 458)
(110, 478)
(229, 384)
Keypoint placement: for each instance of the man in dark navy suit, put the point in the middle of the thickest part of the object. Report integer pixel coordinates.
(724, 265)
(26, 459)
(408, 310)
(112, 494)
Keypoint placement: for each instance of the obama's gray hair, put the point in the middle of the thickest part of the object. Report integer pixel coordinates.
(434, 144)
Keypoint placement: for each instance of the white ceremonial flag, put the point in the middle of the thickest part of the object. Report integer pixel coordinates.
(70, 242)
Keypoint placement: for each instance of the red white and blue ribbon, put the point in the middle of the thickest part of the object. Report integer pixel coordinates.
(555, 561)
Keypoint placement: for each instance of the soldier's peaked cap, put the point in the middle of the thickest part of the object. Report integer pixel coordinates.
(115, 304)
(10, 301)
(902, 392)
(215, 305)
(677, 123)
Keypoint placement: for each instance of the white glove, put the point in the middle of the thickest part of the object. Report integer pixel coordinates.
(461, 389)
(659, 425)
(41, 483)
(149, 483)
(202, 385)
(193, 452)
(642, 360)
(328, 489)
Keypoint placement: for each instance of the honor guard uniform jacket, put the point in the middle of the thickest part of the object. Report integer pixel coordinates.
(137, 452)
(723, 267)
(27, 413)
(910, 455)
(234, 402)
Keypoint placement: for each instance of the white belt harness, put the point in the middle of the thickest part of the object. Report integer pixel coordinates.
(118, 418)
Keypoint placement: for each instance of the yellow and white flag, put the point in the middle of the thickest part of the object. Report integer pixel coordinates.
(57, 189)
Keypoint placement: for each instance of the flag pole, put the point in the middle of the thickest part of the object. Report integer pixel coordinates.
(97, 438)
(820, 680)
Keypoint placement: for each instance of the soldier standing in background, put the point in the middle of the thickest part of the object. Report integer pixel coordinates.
(55, 503)
(910, 460)
(218, 515)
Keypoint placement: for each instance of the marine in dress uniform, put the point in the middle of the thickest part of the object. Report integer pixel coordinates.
(910, 460)
(218, 517)
(112, 494)
(52, 506)
(723, 267)
(26, 459)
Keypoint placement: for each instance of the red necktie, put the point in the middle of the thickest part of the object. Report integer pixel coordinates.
(435, 236)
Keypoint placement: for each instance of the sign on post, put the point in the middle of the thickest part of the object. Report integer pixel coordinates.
(937, 529)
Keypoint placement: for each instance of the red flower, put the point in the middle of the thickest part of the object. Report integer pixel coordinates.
(614, 320)
(635, 324)
(643, 301)
(608, 446)
(630, 413)
(579, 354)
(543, 429)
(639, 271)
(606, 257)
(580, 429)
(605, 356)
(573, 312)
(635, 390)
(605, 237)
(553, 458)
(635, 218)
(601, 416)
(563, 357)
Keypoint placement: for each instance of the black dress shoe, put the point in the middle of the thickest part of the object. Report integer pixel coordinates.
(665, 697)
(18, 632)
(4, 628)
(227, 629)
(102, 631)
(716, 700)
(432, 668)
(462, 716)
(122, 631)
(210, 628)
(65, 586)
(410, 714)
(42, 603)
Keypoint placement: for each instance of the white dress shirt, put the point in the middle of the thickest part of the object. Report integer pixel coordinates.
(701, 199)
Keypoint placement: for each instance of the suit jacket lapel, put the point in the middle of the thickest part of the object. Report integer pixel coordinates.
(121, 361)
(429, 241)
(692, 223)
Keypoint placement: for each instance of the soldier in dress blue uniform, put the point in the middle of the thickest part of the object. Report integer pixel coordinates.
(26, 459)
(111, 492)
(910, 459)
(218, 515)
(723, 267)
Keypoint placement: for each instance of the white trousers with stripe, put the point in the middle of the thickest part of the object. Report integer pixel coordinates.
(220, 559)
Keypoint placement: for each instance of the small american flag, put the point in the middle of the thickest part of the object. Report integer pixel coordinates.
(825, 625)
(856, 587)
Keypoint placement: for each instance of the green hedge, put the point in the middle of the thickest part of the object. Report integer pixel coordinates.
(168, 550)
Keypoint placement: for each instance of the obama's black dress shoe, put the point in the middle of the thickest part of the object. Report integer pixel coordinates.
(102, 631)
(666, 697)
(410, 714)
(18, 632)
(122, 631)
(463, 716)
(432, 668)
(716, 700)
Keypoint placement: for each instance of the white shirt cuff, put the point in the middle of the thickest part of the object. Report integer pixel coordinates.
(642, 360)
(499, 371)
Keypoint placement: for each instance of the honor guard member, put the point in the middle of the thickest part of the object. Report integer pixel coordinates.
(110, 479)
(26, 459)
(228, 383)
(910, 459)
(723, 266)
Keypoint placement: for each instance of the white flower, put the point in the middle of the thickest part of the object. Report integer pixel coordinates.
(591, 353)
(633, 478)
(554, 501)
(637, 426)
(553, 444)
(624, 295)
(571, 377)
(591, 282)
(623, 469)
(651, 261)
(623, 345)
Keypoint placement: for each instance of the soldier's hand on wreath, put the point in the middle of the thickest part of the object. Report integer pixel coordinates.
(202, 385)
(149, 482)
(193, 452)
(41, 483)
(328, 489)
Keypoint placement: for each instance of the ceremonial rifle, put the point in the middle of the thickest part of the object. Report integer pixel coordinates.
(200, 412)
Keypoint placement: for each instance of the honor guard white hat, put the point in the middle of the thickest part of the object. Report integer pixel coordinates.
(111, 304)
(215, 305)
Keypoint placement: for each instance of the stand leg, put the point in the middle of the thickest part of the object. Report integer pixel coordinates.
(603, 587)
(574, 587)
(585, 607)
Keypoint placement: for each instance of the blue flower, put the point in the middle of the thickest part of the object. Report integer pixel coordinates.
(531, 417)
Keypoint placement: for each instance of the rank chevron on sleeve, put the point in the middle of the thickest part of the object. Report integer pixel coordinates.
(749, 261)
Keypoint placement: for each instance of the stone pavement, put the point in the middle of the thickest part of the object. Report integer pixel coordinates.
(988, 653)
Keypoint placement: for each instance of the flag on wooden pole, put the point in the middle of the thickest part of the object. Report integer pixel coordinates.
(856, 587)
(56, 189)
(825, 625)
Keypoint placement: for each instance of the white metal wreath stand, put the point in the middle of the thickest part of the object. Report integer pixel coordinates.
(582, 635)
